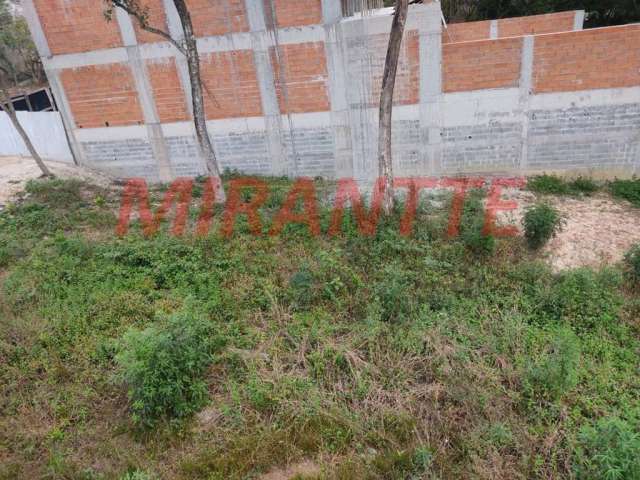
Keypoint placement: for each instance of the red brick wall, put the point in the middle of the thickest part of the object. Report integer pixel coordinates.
(465, 32)
(482, 64)
(73, 26)
(588, 59)
(301, 77)
(407, 88)
(101, 95)
(167, 90)
(536, 24)
(231, 85)
(217, 17)
(156, 18)
(292, 13)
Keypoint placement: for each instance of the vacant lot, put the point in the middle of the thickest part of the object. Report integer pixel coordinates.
(294, 356)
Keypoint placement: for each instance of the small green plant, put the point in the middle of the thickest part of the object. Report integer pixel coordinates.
(610, 449)
(472, 226)
(584, 186)
(557, 372)
(627, 189)
(632, 265)
(541, 223)
(393, 291)
(164, 366)
(137, 475)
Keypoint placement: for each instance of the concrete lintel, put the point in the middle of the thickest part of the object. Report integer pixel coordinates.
(127, 31)
(578, 21)
(493, 29)
(77, 60)
(102, 134)
(37, 33)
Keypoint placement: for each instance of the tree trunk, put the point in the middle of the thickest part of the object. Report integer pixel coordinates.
(199, 118)
(385, 161)
(7, 106)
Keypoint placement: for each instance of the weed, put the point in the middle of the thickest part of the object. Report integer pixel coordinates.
(627, 189)
(163, 367)
(556, 373)
(610, 449)
(541, 223)
(632, 265)
(554, 185)
(472, 226)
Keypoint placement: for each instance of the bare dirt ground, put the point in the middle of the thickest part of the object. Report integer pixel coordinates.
(15, 172)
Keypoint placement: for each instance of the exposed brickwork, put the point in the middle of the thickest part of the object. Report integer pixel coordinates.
(73, 26)
(295, 13)
(588, 59)
(483, 64)
(102, 95)
(167, 90)
(536, 24)
(466, 32)
(156, 18)
(217, 17)
(301, 77)
(231, 85)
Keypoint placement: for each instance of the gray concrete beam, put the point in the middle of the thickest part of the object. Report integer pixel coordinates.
(526, 90)
(578, 21)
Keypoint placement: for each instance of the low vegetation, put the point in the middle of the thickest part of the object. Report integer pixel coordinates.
(541, 223)
(382, 357)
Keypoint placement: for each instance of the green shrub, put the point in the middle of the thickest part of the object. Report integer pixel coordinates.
(164, 365)
(632, 265)
(541, 223)
(584, 299)
(627, 189)
(608, 450)
(557, 373)
(395, 292)
(548, 184)
(583, 185)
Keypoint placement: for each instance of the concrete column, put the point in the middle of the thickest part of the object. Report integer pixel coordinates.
(578, 21)
(260, 42)
(526, 90)
(175, 30)
(336, 67)
(145, 96)
(493, 29)
(431, 95)
(40, 41)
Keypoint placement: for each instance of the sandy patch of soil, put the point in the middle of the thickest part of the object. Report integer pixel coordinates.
(15, 172)
(599, 230)
(306, 468)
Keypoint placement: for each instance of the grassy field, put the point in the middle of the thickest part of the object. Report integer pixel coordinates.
(379, 357)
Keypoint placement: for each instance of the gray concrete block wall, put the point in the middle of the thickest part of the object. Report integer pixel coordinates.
(588, 137)
(480, 148)
(311, 151)
(122, 158)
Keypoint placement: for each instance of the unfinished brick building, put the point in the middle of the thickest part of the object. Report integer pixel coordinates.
(292, 88)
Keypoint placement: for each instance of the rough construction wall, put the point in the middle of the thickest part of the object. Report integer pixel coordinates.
(292, 87)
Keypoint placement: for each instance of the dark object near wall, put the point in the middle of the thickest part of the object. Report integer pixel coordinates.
(36, 100)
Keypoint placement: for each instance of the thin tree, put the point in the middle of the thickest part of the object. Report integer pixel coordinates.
(385, 160)
(187, 46)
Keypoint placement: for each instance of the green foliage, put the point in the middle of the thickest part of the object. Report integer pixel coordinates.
(632, 265)
(394, 291)
(164, 365)
(585, 299)
(627, 189)
(472, 226)
(608, 450)
(554, 185)
(556, 373)
(541, 223)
